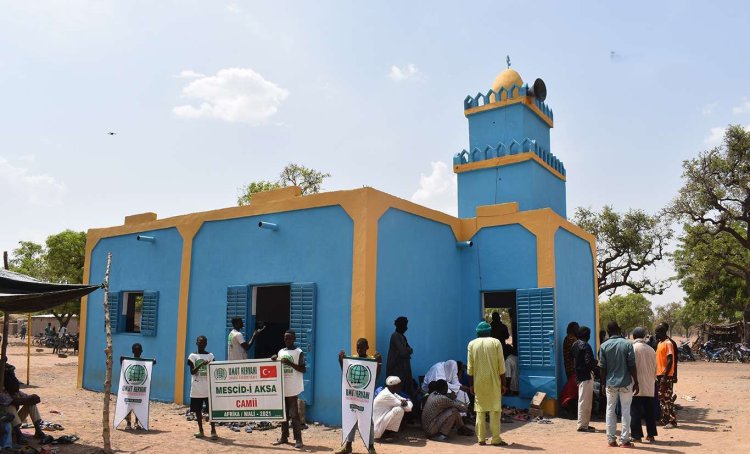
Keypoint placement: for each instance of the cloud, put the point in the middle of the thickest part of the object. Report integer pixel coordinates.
(234, 8)
(234, 94)
(438, 190)
(188, 74)
(409, 71)
(742, 108)
(21, 183)
(708, 109)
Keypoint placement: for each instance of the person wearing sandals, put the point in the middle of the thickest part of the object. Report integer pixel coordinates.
(19, 405)
(198, 364)
(293, 367)
(486, 368)
(137, 350)
(584, 366)
(441, 414)
(619, 373)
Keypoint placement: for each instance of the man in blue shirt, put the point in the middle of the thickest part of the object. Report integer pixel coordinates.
(619, 375)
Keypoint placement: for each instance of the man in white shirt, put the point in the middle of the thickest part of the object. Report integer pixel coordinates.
(511, 369)
(237, 347)
(293, 367)
(388, 409)
(643, 402)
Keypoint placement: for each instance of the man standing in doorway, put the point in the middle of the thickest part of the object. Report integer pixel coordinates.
(237, 347)
(619, 374)
(399, 356)
(486, 369)
(499, 330)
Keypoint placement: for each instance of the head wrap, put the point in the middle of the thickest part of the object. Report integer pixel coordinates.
(484, 328)
(392, 380)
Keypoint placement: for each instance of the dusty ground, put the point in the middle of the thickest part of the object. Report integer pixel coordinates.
(716, 422)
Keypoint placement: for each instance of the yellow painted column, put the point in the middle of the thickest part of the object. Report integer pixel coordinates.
(187, 231)
(91, 242)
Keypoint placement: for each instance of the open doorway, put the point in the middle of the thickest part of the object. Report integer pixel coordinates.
(504, 303)
(271, 308)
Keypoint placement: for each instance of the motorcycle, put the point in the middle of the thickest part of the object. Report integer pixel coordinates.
(684, 352)
(713, 353)
(742, 353)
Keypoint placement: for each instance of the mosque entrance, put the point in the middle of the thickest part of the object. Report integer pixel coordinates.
(504, 303)
(271, 306)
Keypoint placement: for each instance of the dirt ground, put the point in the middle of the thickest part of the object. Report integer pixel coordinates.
(717, 421)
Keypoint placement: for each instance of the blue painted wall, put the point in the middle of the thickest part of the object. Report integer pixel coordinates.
(313, 245)
(514, 122)
(419, 272)
(527, 182)
(574, 292)
(136, 265)
(503, 258)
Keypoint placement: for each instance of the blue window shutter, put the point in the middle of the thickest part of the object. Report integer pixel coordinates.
(302, 321)
(535, 315)
(114, 299)
(237, 299)
(149, 312)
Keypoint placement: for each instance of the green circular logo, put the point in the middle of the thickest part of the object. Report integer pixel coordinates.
(358, 376)
(135, 374)
(220, 373)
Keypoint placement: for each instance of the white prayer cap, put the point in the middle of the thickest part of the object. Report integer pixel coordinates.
(392, 380)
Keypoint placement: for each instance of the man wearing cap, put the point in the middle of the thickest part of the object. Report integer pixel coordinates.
(486, 369)
(388, 409)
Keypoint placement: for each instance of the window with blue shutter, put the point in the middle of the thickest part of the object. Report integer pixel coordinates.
(302, 321)
(237, 306)
(113, 300)
(535, 341)
(149, 312)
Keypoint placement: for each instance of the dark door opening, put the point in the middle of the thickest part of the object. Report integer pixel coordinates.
(505, 304)
(272, 305)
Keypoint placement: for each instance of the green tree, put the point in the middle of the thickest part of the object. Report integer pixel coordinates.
(668, 314)
(713, 256)
(61, 260)
(309, 180)
(629, 311)
(628, 245)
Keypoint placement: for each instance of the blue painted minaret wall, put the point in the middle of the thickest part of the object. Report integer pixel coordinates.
(518, 124)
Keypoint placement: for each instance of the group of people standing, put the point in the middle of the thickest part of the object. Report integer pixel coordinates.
(636, 376)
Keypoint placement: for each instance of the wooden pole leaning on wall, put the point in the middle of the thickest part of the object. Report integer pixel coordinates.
(6, 324)
(106, 433)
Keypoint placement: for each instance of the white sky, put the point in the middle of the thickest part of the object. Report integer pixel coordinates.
(206, 96)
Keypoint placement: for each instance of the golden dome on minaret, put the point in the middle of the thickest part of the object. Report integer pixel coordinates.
(507, 79)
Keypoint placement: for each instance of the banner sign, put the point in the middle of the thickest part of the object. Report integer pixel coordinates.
(134, 390)
(246, 390)
(357, 389)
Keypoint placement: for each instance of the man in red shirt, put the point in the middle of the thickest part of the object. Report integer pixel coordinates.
(665, 371)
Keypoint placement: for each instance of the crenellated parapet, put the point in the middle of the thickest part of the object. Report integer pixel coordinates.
(505, 94)
(508, 149)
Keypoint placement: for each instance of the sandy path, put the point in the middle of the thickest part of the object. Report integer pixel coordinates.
(716, 422)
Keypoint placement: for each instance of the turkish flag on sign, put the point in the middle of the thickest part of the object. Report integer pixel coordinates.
(267, 371)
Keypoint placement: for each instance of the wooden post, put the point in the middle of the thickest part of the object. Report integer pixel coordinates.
(28, 348)
(106, 435)
(6, 324)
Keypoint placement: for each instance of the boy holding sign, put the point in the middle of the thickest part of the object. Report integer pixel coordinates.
(362, 347)
(293, 365)
(198, 363)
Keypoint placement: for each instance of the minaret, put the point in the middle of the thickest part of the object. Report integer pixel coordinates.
(509, 158)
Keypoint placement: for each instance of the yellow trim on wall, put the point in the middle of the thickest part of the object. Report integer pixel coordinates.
(506, 160)
(525, 100)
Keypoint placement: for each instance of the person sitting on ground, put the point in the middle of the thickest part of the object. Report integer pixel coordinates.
(450, 371)
(20, 405)
(511, 369)
(388, 409)
(441, 414)
(137, 350)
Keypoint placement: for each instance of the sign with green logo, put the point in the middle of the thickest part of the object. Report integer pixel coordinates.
(357, 392)
(246, 390)
(134, 390)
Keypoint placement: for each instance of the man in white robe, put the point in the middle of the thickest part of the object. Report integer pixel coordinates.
(447, 371)
(388, 409)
